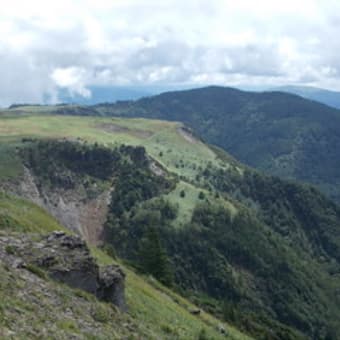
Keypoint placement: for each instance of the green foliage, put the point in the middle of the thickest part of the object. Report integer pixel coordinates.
(208, 252)
(153, 257)
(36, 270)
(20, 215)
(201, 195)
(279, 133)
(267, 247)
(101, 314)
(55, 162)
(229, 312)
(68, 325)
(135, 184)
(10, 165)
(202, 335)
(11, 250)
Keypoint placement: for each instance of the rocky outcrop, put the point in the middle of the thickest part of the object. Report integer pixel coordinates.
(71, 207)
(66, 258)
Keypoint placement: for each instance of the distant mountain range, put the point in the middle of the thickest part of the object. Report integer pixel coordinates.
(330, 98)
(105, 94)
(277, 132)
(111, 94)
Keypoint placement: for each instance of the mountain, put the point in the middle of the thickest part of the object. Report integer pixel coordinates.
(104, 94)
(109, 94)
(49, 276)
(31, 254)
(279, 133)
(257, 251)
(330, 98)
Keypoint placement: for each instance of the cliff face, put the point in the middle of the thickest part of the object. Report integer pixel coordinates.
(67, 259)
(72, 207)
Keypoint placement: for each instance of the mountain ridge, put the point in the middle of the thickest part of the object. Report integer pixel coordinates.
(328, 97)
(279, 133)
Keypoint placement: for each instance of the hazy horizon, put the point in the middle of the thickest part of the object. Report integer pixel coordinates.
(49, 49)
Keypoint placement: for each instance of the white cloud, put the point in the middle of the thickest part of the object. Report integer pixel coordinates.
(72, 78)
(73, 44)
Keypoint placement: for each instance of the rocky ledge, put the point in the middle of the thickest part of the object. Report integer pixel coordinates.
(65, 258)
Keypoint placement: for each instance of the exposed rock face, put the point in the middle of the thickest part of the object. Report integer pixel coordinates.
(111, 286)
(67, 259)
(71, 207)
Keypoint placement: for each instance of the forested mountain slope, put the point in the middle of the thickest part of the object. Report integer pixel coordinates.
(279, 133)
(260, 252)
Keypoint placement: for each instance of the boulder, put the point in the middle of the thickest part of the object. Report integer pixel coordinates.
(67, 258)
(111, 286)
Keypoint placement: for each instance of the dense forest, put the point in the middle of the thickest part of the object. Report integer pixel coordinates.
(279, 133)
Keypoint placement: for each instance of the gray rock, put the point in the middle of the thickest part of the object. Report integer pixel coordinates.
(66, 258)
(111, 286)
(221, 329)
(195, 311)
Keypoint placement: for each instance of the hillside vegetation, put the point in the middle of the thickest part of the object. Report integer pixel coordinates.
(257, 251)
(47, 308)
(279, 133)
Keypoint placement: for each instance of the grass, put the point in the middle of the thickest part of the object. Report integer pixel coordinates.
(163, 140)
(179, 155)
(164, 313)
(36, 271)
(20, 215)
(32, 307)
(10, 164)
(186, 204)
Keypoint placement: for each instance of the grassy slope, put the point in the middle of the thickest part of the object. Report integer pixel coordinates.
(162, 140)
(162, 311)
(154, 312)
(24, 216)
(161, 136)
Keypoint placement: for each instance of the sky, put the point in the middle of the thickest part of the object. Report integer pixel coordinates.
(73, 45)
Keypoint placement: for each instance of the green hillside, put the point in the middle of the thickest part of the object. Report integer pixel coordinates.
(257, 251)
(154, 311)
(279, 133)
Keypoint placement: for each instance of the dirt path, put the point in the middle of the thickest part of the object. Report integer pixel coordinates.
(187, 135)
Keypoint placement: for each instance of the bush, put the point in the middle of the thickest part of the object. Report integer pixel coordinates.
(201, 195)
(36, 270)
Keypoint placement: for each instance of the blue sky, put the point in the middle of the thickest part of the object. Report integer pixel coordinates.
(46, 46)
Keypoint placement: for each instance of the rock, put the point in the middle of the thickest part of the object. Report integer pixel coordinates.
(111, 286)
(68, 241)
(66, 258)
(18, 263)
(195, 311)
(56, 234)
(221, 329)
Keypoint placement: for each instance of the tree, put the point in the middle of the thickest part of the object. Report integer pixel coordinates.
(153, 257)
(201, 195)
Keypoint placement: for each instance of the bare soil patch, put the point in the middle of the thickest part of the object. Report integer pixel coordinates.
(114, 128)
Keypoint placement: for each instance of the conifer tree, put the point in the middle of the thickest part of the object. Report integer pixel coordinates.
(153, 257)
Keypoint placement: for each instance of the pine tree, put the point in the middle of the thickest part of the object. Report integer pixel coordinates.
(153, 257)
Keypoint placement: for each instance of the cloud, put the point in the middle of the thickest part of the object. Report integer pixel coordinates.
(76, 44)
